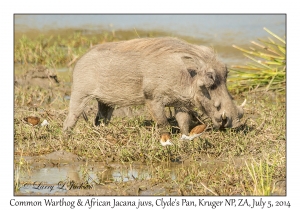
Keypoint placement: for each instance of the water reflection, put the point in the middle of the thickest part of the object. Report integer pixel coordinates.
(49, 180)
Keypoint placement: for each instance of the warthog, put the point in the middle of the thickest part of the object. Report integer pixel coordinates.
(38, 76)
(157, 72)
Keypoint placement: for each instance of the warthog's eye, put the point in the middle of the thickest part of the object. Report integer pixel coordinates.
(192, 72)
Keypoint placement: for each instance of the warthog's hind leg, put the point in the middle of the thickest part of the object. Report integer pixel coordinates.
(104, 114)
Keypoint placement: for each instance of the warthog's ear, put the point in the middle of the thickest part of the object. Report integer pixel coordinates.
(192, 72)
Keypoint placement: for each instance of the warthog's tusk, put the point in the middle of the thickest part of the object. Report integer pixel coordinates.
(224, 115)
(244, 103)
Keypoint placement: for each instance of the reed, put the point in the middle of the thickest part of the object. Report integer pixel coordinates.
(267, 68)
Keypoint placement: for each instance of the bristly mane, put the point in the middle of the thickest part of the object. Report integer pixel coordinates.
(164, 45)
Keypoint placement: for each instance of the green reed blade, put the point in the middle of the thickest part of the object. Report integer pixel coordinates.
(257, 61)
(271, 43)
(277, 37)
(268, 48)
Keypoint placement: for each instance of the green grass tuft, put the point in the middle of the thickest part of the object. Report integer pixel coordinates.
(267, 68)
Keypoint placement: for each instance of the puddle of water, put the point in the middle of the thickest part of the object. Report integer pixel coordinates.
(65, 174)
(67, 98)
(61, 172)
(64, 69)
(49, 180)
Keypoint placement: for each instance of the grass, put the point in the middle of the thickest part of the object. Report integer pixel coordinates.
(249, 161)
(267, 67)
(127, 140)
(62, 48)
(261, 175)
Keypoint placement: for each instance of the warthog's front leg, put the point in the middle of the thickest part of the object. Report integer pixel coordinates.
(78, 102)
(184, 119)
(157, 111)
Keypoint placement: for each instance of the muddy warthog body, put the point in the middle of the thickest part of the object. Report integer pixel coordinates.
(157, 72)
(39, 76)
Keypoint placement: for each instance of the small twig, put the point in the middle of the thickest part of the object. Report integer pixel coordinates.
(115, 125)
(199, 120)
(259, 128)
(267, 88)
(53, 101)
(101, 137)
(49, 114)
(42, 100)
(136, 33)
(208, 188)
(72, 61)
(245, 121)
(101, 150)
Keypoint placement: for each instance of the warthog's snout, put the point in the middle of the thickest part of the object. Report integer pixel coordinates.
(225, 119)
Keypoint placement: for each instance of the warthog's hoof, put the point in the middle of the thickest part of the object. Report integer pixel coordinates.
(195, 132)
(165, 139)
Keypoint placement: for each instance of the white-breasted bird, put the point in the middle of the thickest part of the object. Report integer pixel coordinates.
(194, 133)
(165, 139)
